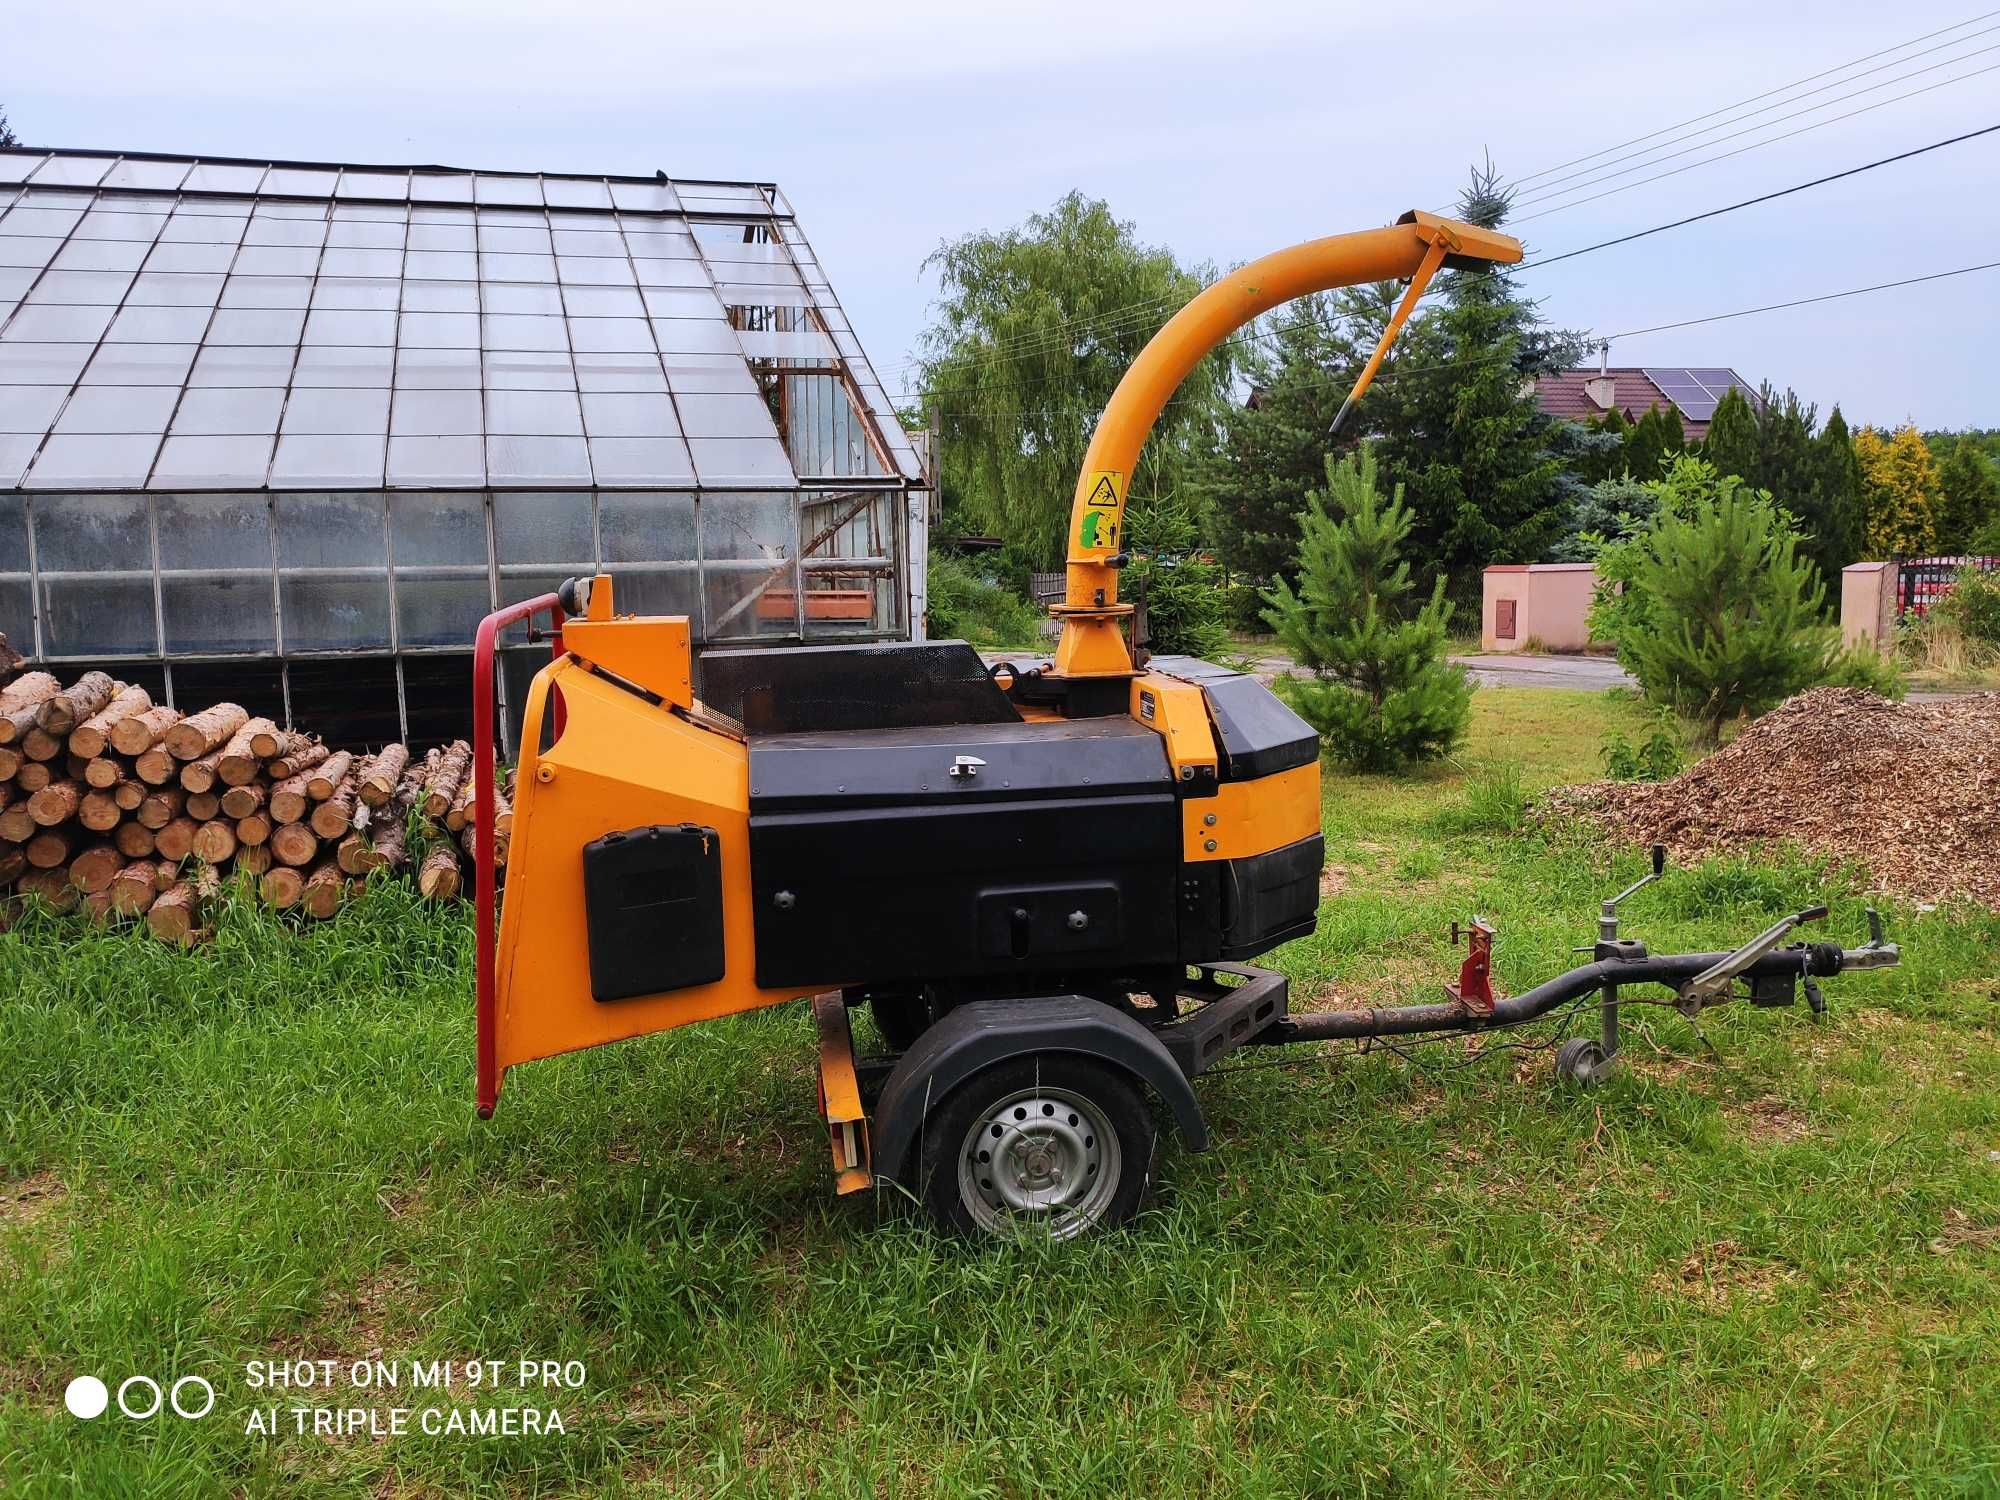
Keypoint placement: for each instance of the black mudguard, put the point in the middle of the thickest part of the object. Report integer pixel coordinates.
(976, 1036)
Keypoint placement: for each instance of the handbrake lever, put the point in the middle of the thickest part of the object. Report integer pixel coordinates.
(1714, 982)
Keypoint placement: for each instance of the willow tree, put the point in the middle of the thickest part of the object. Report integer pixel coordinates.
(1033, 328)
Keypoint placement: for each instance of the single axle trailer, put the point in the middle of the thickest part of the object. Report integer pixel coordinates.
(1048, 883)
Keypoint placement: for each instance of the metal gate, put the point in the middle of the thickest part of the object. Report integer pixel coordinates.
(1922, 581)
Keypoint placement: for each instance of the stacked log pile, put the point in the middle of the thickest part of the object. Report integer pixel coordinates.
(121, 807)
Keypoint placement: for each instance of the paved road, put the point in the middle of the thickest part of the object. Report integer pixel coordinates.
(1511, 669)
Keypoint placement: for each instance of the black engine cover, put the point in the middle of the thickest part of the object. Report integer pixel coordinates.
(871, 862)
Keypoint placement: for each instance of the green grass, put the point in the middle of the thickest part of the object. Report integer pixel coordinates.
(1767, 1268)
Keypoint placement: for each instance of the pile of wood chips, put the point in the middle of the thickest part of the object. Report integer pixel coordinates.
(129, 809)
(1910, 790)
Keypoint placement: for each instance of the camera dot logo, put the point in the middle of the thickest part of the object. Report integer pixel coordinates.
(86, 1397)
(139, 1397)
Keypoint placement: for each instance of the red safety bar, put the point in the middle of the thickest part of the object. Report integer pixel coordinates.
(482, 821)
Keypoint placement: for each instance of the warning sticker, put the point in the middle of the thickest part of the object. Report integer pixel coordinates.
(1102, 514)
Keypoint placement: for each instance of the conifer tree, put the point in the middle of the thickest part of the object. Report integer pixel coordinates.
(1461, 430)
(1382, 692)
(1718, 615)
(1837, 540)
(1732, 442)
(1656, 436)
(1181, 589)
(1971, 497)
(1273, 448)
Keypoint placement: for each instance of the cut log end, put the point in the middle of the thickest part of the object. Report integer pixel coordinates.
(172, 916)
(438, 876)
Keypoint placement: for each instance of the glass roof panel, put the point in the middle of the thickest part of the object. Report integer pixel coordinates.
(431, 462)
(656, 197)
(31, 408)
(488, 188)
(441, 187)
(19, 166)
(312, 461)
(146, 174)
(640, 461)
(740, 460)
(93, 461)
(537, 460)
(575, 193)
(223, 177)
(72, 171)
(111, 408)
(233, 410)
(303, 182)
(212, 462)
(16, 450)
(354, 184)
(430, 328)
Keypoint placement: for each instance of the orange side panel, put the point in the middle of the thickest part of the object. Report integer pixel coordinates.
(621, 763)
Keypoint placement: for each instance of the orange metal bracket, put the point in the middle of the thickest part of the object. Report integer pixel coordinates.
(840, 1095)
(1414, 247)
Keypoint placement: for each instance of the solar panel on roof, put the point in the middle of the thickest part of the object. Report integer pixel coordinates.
(395, 282)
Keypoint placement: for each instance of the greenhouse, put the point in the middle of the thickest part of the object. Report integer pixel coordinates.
(283, 432)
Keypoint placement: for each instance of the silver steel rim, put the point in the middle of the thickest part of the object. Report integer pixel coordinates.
(1042, 1158)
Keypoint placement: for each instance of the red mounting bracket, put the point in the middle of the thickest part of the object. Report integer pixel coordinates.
(1474, 989)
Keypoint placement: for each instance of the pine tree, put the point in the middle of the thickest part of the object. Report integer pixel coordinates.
(1654, 438)
(1837, 540)
(1971, 497)
(1719, 615)
(1732, 443)
(1899, 488)
(1768, 443)
(1273, 449)
(7, 137)
(1181, 589)
(1382, 692)
(1605, 459)
(1462, 432)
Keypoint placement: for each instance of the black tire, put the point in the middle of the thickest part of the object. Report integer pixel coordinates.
(1075, 1124)
(901, 1018)
(1581, 1062)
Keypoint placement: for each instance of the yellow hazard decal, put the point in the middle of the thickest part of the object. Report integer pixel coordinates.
(1102, 515)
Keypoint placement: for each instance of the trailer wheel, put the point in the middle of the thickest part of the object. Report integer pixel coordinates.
(1050, 1144)
(1581, 1061)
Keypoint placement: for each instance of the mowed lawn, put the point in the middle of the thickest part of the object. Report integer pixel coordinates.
(1768, 1263)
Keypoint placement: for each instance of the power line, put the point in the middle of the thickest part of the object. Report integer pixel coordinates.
(1121, 319)
(1403, 372)
(1124, 319)
(1640, 234)
(1880, 286)
(1694, 218)
(1754, 145)
(1555, 190)
(1520, 182)
(1712, 213)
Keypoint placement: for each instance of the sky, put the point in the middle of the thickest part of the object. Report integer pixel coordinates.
(1221, 132)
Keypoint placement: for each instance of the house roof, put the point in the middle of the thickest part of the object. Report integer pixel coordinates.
(182, 323)
(1638, 389)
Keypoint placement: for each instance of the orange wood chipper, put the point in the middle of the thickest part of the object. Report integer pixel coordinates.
(1047, 883)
